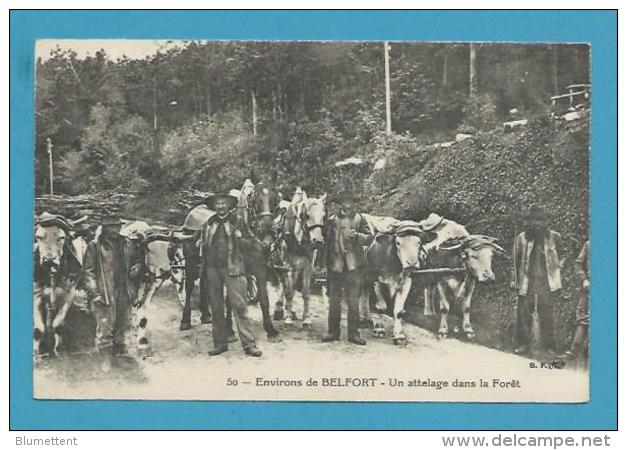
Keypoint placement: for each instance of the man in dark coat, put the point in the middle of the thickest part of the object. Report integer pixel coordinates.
(346, 235)
(537, 279)
(111, 272)
(223, 266)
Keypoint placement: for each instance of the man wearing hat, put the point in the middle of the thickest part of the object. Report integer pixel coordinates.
(537, 279)
(347, 234)
(111, 272)
(223, 266)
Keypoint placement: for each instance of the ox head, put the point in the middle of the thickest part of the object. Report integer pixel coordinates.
(312, 218)
(161, 252)
(476, 251)
(265, 203)
(51, 235)
(408, 242)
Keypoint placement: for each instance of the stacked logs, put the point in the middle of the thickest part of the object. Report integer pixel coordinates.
(94, 206)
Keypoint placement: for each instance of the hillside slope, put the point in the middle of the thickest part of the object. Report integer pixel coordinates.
(485, 183)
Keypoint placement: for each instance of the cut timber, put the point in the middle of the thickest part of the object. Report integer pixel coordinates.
(514, 124)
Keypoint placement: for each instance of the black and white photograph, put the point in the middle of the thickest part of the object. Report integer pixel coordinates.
(311, 221)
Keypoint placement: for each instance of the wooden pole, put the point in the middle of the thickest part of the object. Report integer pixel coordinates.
(252, 94)
(154, 104)
(49, 146)
(554, 66)
(473, 70)
(388, 109)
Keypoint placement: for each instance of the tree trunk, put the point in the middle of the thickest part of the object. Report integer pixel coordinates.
(208, 100)
(445, 69)
(472, 88)
(554, 67)
(254, 100)
(388, 108)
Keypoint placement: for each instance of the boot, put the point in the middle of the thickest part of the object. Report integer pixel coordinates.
(218, 350)
(253, 351)
(357, 340)
(330, 337)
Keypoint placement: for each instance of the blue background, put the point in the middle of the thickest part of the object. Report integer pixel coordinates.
(595, 27)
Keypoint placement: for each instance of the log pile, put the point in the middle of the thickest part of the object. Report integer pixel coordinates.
(94, 206)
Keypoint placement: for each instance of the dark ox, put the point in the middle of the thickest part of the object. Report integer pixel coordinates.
(390, 261)
(189, 238)
(255, 213)
(473, 253)
(258, 206)
(56, 273)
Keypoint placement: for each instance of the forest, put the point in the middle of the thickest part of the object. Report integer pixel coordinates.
(202, 115)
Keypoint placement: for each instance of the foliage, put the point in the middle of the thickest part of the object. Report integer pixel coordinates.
(311, 99)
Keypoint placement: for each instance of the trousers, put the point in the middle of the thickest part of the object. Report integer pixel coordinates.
(217, 278)
(112, 323)
(344, 285)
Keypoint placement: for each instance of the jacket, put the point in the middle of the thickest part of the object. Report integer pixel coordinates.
(521, 254)
(352, 256)
(122, 275)
(234, 259)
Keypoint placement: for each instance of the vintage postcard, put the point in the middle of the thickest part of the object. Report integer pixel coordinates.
(322, 221)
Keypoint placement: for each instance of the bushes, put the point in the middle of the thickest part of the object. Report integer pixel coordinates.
(210, 153)
(480, 112)
(485, 183)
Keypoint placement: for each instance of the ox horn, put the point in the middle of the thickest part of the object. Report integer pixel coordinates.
(79, 220)
(487, 238)
(156, 237)
(500, 250)
(434, 226)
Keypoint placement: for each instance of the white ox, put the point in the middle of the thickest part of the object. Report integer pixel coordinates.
(163, 260)
(394, 253)
(56, 272)
(454, 247)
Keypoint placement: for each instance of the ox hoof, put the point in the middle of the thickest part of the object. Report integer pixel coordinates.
(470, 335)
(378, 331)
(279, 314)
(400, 340)
(442, 334)
(185, 326)
(307, 325)
(288, 320)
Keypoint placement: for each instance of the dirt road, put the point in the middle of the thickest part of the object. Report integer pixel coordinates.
(300, 366)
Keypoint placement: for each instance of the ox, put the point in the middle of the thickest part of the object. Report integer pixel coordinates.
(302, 238)
(454, 247)
(56, 273)
(162, 260)
(194, 222)
(395, 252)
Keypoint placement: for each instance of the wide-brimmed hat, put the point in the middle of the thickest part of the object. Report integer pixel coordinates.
(47, 219)
(212, 199)
(111, 219)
